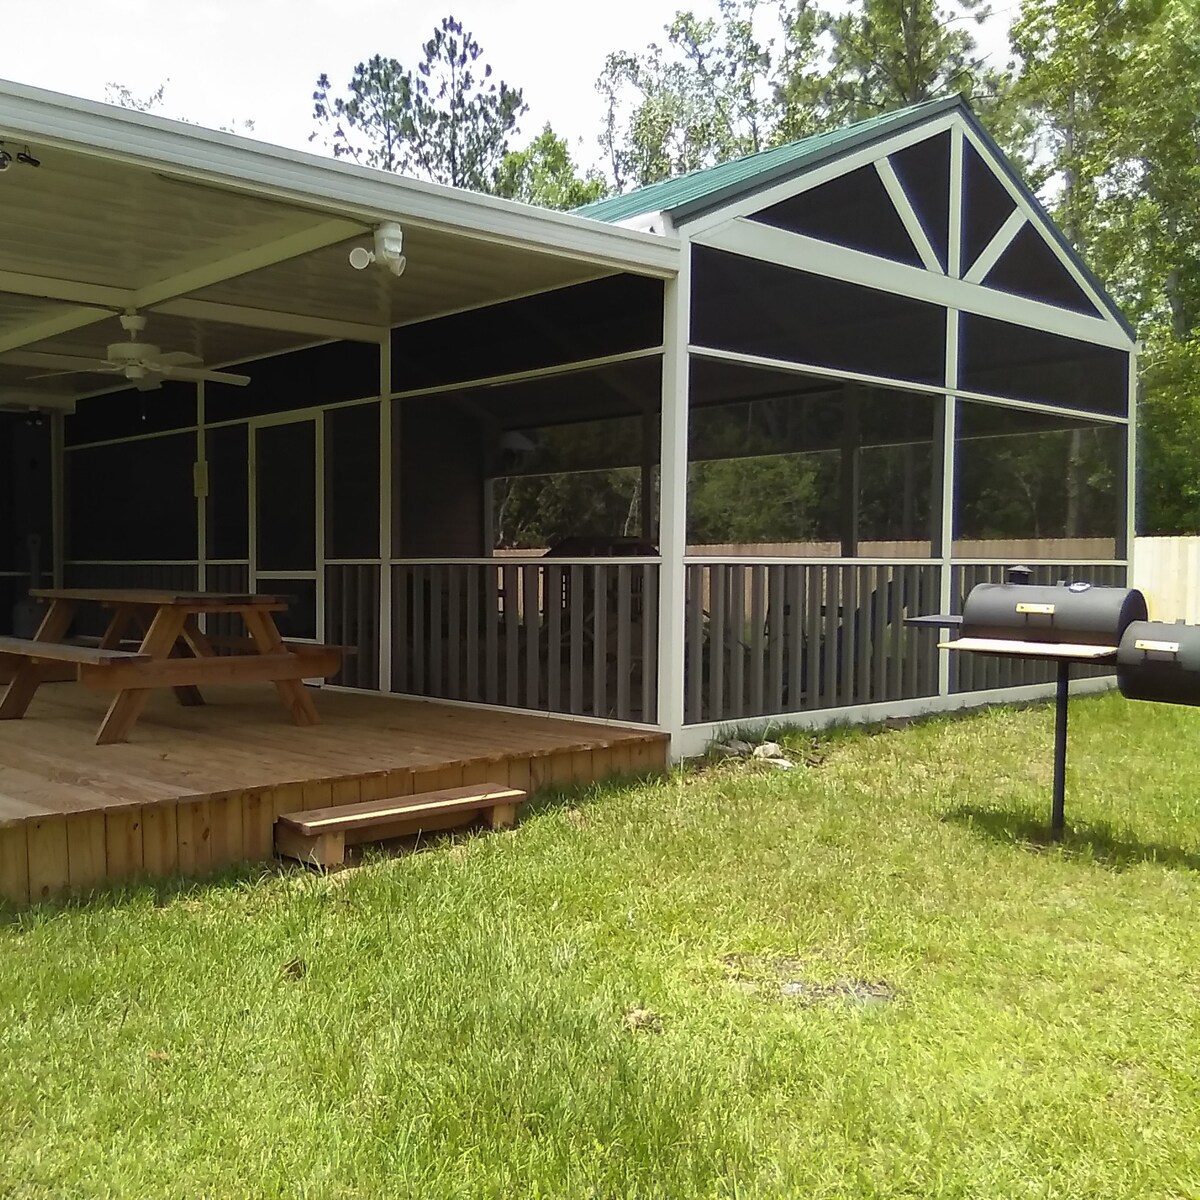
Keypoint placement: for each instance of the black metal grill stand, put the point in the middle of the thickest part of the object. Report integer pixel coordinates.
(1062, 694)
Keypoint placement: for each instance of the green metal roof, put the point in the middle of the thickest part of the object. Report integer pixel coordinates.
(705, 188)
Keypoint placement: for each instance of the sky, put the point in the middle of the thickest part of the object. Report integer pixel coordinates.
(227, 61)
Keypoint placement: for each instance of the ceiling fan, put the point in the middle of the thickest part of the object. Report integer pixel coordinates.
(142, 363)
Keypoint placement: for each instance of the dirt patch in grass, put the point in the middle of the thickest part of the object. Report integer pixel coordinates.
(785, 977)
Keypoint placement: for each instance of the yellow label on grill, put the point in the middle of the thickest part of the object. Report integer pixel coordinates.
(1161, 647)
(1039, 610)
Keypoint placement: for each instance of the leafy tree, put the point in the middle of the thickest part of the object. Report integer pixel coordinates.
(124, 96)
(545, 174)
(704, 97)
(447, 121)
(887, 54)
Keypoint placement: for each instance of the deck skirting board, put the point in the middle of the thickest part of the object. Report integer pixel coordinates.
(46, 855)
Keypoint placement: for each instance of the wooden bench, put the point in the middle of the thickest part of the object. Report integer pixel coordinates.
(70, 652)
(320, 835)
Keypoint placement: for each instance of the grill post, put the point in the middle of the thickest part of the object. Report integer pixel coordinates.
(1060, 749)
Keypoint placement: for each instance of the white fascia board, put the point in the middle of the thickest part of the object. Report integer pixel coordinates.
(756, 240)
(649, 222)
(1040, 221)
(240, 164)
(842, 165)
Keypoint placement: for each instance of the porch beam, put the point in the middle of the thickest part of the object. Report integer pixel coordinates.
(262, 318)
(43, 287)
(241, 262)
(764, 242)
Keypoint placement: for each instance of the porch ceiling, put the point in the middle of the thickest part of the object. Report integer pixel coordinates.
(228, 266)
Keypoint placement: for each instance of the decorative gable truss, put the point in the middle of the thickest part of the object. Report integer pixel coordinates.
(934, 214)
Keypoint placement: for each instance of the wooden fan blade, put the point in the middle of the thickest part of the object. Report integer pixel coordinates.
(179, 358)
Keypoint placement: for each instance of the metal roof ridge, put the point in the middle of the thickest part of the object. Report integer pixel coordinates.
(782, 159)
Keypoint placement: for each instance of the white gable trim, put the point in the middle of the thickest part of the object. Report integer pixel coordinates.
(753, 239)
(1001, 240)
(1041, 223)
(908, 215)
(864, 157)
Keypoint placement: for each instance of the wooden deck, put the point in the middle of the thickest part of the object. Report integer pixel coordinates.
(199, 788)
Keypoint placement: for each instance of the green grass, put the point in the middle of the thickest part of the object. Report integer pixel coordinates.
(454, 1022)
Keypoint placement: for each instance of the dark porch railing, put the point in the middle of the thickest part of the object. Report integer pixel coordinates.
(766, 638)
(556, 635)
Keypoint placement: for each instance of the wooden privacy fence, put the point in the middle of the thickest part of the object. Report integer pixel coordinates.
(777, 638)
(554, 635)
(1167, 569)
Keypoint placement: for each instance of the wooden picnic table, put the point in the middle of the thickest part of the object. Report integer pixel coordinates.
(172, 652)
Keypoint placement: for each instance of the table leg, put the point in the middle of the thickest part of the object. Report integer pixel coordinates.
(263, 630)
(192, 641)
(28, 676)
(118, 624)
(127, 705)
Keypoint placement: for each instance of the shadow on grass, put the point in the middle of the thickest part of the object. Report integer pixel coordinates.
(163, 891)
(1099, 842)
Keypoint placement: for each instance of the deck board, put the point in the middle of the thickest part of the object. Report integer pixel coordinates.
(199, 787)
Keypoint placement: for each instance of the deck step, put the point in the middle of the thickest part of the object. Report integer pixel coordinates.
(320, 835)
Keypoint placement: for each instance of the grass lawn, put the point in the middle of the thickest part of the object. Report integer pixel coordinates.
(659, 989)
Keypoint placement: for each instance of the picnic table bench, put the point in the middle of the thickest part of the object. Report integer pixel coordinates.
(173, 652)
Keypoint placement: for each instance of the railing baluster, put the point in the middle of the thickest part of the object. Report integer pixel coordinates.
(472, 581)
(554, 647)
(453, 633)
(623, 634)
(849, 641)
(512, 646)
(694, 703)
(885, 600)
(737, 640)
(491, 618)
(600, 642)
(716, 644)
(776, 636)
(832, 638)
(757, 639)
(649, 710)
(533, 634)
(418, 638)
(576, 677)
(815, 649)
(869, 600)
(794, 603)
(401, 582)
(437, 641)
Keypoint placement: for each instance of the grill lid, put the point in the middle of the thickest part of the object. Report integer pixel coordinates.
(1079, 614)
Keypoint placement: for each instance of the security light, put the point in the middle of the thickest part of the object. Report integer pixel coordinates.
(389, 244)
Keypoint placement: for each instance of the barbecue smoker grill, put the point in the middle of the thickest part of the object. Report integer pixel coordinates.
(1077, 623)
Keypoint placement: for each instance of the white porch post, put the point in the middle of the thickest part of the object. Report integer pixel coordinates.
(672, 536)
(386, 484)
(1127, 546)
(949, 430)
